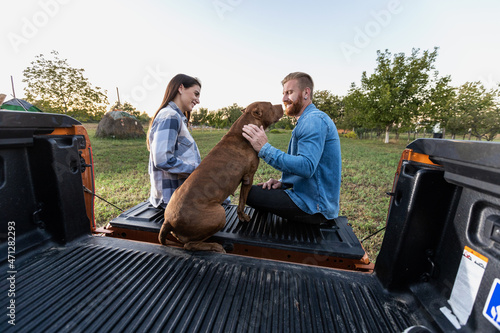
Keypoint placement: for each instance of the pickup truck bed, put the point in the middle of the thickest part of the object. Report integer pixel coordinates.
(101, 284)
(59, 275)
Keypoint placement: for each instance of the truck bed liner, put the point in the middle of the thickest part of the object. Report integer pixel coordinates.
(113, 285)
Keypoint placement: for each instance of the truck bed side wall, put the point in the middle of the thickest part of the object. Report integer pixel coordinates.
(424, 203)
(436, 215)
(41, 187)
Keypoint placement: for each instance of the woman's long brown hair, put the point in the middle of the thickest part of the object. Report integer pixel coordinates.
(170, 93)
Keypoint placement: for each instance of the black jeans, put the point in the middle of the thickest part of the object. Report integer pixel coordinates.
(276, 201)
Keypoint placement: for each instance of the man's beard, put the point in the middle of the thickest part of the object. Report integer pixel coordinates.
(295, 108)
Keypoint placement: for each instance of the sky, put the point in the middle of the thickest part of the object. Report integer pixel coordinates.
(242, 49)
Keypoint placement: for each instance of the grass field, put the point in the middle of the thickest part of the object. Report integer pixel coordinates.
(368, 168)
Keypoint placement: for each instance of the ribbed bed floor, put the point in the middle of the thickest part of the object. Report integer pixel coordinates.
(100, 284)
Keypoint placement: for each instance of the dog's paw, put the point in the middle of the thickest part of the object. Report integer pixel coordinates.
(201, 246)
(216, 247)
(243, 217)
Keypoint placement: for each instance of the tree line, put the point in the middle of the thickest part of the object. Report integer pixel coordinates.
(54, 86)
(226, 116)
(404, 94)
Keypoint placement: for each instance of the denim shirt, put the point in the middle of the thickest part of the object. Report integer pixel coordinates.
(173, 154)
(311, 170)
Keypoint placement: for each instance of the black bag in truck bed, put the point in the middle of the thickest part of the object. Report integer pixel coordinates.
(66, 279)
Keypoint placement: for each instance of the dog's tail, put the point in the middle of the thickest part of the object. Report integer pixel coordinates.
(165, 230)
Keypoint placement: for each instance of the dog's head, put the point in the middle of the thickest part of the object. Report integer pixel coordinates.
(264, 113)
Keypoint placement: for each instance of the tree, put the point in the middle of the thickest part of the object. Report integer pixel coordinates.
(216, 119)
(478, 109)
(199, 116)
(355, 104)
(286, 122)
(437, 107)
(397, 89)
(231, 113)
(328, 103)
(55, 86)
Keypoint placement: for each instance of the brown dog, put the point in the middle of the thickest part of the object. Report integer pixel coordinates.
(194, 213)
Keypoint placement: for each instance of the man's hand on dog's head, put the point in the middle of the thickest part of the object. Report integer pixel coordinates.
(255, 135)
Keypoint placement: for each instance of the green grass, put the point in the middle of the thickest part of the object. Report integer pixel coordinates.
(368, 167)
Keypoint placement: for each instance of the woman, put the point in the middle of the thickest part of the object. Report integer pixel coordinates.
(173, 154)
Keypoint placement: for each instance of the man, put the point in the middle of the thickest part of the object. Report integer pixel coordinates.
(309, 188)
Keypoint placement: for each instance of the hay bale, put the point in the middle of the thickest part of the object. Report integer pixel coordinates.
(120, 125)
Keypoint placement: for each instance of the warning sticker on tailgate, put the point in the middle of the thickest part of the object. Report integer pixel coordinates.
(467, 282)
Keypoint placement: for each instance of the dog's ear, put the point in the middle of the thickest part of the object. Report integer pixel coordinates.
(257, 113)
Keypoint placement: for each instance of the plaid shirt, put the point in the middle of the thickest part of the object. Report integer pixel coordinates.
(173, 154)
